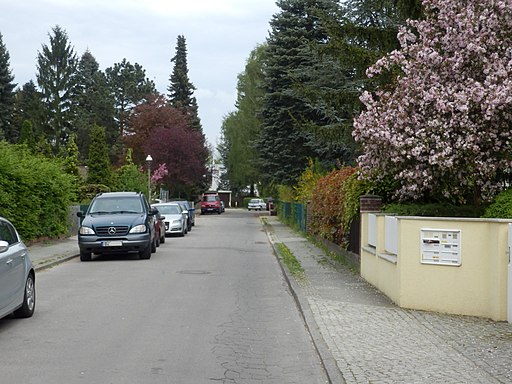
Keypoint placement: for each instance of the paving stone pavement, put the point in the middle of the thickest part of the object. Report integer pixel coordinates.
(373, 341)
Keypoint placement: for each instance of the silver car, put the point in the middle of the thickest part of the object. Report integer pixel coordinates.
(17, 276)
(175, 218)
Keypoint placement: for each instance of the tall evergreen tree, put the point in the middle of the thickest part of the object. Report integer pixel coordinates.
(99, 168)
(181, 90)
(6, 96)
(29, 114)
(95, 105)
(129, 87)
(285, 143)
(56, 77)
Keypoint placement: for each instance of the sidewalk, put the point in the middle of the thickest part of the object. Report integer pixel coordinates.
(363, 338)
(52, 252)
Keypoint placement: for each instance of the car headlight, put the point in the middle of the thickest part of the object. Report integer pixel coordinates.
(138, 229)
(176, 221)
(86, 231)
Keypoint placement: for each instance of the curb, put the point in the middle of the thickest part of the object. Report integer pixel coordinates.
(328, 362)
(43, 264)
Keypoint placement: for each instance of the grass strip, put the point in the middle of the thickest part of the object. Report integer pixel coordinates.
(290, 260)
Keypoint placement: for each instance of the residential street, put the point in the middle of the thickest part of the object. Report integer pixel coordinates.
(211, 307)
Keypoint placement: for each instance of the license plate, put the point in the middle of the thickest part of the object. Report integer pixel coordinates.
(112, 243)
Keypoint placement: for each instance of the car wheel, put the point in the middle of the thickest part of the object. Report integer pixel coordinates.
(29, 299)
(146, 253)
(85, 256)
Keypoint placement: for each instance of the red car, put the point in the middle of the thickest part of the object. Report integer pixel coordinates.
(211, 203)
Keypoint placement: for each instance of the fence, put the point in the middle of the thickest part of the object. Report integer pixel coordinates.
(297, 216)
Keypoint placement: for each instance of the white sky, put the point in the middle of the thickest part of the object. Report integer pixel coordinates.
(220, 34)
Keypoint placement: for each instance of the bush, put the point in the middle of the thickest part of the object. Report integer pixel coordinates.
(501, 207)
(36, 193)
(328, 208)
(434, 210)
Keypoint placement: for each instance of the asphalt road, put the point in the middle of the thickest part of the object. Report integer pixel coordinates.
(212, 307)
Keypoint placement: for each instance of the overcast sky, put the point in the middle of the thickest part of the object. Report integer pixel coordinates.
(220, 34)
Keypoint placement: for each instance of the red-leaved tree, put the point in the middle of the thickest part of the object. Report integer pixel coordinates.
(159, 130)
(443, 130)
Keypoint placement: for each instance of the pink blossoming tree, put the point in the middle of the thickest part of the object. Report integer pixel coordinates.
(443, 129)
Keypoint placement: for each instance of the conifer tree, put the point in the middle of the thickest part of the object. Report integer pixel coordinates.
(95, 105)
(56, 77)
(286, 142)
(99, 168)
(29, 114)
(6, 96)
(181, 90)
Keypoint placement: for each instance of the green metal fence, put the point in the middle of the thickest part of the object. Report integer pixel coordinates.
(293, 214)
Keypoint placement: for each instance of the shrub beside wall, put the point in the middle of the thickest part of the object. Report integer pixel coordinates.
(35, 192)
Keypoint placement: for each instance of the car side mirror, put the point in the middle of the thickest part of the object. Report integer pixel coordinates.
(4, 246)
(162, 217)
(80, 214)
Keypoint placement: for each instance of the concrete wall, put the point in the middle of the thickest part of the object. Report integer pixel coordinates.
(476, 286)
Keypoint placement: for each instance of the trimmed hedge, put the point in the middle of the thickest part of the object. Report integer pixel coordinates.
(35, 192)
(434, 210)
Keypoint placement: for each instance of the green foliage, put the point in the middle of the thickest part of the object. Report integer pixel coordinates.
(328, 206)
(56, 76)
(36, 193)
(434, 210)
(308, 180)
(290, 260)
(99, 168)
(286, 193)
(501, 207)
(6, 95)
(353, 189)
(181, 90)
(130, 178)
(88, 191)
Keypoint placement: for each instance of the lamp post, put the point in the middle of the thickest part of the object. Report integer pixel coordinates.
(149, 159)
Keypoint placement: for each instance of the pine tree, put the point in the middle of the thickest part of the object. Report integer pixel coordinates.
(6, 96)
(29, 114)
(95, 105)
(56, 77)
(181, 90)
(286, 142)
(99, 168)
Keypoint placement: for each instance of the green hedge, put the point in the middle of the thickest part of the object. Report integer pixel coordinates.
(434, 210)
(35, 192)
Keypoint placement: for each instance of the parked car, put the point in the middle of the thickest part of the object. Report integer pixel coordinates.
(17, 276)
(175, 218)
(185, 205)
(256, 204)
(117, 222)
(210, 203)
(160, 227)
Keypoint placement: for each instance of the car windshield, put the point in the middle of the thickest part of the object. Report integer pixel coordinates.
(209, 198)
(254, 201)
(116, 205)
(169, 209)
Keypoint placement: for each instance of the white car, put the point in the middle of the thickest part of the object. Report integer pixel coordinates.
(17, 276)
(256, 204)
(175, 218)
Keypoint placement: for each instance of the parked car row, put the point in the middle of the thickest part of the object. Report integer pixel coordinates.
(124, 222)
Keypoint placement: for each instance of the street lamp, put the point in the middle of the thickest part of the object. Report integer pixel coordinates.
(149, 159)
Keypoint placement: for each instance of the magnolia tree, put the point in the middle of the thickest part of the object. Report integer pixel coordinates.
(444, 128)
